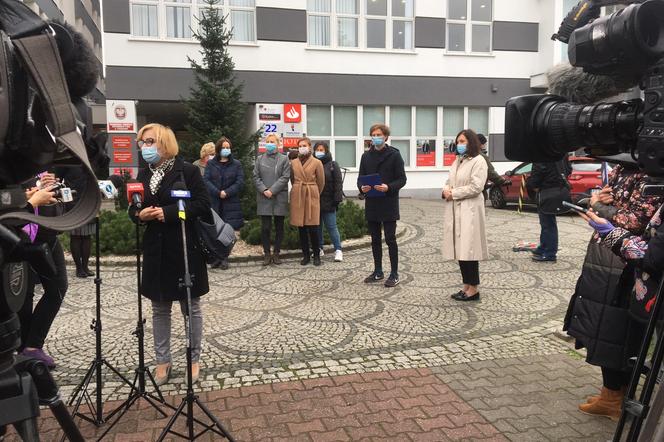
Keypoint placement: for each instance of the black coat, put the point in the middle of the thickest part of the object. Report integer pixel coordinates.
(163, 257)
(333, 192)
(388, 163)
(548, 175)
(229, 177)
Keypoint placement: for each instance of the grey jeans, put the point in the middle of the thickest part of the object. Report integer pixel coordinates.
(161, 328)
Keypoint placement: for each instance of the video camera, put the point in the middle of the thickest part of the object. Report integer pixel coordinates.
(627, 46)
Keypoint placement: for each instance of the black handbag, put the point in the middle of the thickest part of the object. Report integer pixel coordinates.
(217, 238)
(550, 200)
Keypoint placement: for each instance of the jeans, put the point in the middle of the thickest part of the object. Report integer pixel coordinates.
(35, 324)
(161, 329)
(548, 245)
(330, 220)
(308, 233)
(470, 272)
(390, 228)
(266, 230)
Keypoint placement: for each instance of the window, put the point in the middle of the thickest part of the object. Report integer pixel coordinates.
(522, 170)
(373, 24)
(175, 19)
(338, 126)
(469, 26)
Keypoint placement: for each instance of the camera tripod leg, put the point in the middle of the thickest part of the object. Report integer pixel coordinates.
(28, 429)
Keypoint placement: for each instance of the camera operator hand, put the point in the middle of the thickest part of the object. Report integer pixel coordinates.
(40, 197)
(601, 225)
(46, 180)
(604, 196)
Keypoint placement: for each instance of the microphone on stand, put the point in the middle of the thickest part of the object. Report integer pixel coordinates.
(135, 194)
(180, 192)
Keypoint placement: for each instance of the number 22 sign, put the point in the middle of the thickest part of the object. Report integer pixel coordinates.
(270, 128)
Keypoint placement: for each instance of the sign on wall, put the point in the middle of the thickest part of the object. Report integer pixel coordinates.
(121, 116)
(284, 120)
(121, 145)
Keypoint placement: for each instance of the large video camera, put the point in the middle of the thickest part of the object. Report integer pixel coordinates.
(627, 46)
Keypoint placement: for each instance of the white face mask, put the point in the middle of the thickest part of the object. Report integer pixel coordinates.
(303, 150)
(210, 157)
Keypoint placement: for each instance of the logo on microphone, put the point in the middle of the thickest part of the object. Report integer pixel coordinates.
(292, 113)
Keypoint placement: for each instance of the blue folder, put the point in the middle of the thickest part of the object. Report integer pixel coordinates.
(372, 180)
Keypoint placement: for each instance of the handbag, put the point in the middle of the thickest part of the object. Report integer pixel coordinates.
(217, 238)
(550, 200)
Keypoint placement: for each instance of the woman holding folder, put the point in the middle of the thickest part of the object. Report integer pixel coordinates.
(381, 177)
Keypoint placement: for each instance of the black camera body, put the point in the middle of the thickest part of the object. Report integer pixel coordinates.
(627, 46)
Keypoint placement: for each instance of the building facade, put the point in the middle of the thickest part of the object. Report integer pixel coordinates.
(427, 68)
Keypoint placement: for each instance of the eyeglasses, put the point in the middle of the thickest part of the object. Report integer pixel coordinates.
(146, 142)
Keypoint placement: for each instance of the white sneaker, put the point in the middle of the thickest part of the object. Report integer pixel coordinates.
(338, 256)
(320, 252)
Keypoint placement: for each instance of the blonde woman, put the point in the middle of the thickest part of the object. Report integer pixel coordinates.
(271, 174)
(207, 153)
(308, 178)
(163, 263)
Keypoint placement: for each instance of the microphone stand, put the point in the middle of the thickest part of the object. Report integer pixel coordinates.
(138, 392)
(190, 399)
(81, 392)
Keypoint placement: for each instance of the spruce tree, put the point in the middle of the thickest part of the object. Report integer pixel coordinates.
(215, 107)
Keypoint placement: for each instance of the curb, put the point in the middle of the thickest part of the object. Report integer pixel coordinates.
(121, 260)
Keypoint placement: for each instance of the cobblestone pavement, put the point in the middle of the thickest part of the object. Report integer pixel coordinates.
(312, 328)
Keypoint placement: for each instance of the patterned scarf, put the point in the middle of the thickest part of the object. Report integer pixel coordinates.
(158, 174)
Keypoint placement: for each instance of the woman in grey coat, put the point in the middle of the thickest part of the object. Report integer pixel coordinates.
(271, 175)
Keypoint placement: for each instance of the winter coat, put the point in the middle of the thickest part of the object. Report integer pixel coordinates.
(163, 257)
(464, 221)
(308, 180)
(229, 177)
(597, 315)
(549, 175)
(272, 171)
(333, 192)
(492, 175)
(201, 167)
(388, 163)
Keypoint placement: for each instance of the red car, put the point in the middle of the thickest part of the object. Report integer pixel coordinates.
(586, 175)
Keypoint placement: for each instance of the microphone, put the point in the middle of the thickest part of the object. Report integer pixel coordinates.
(581, 87)
(180, 192)
(135, 193)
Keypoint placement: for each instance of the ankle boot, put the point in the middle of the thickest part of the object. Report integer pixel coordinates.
(608, 405)
(592, 399)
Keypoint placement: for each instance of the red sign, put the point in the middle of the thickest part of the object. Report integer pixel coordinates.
(121, 127)
(448, 159)
(292, 113)
(121, 142)
(290, 142)
(122, 156)
(426, 159)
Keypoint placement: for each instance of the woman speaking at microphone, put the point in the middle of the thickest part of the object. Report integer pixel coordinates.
(163, 263)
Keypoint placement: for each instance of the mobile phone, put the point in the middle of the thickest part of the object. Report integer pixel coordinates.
(575, 207)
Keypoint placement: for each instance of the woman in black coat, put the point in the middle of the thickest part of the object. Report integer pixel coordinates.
(224, 179)
(163, 254)
(330, 198)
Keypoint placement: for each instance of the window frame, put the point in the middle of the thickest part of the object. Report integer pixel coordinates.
(195, 6)
(468, 34)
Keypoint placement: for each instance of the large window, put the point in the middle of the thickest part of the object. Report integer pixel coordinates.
(469, 24)
(175, 19)
(373, 24)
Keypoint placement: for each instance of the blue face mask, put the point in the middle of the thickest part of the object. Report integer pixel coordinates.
(270, 147)
(320, 155)
(377, 141)
(461, 149)
(225, 152)
(150, 154)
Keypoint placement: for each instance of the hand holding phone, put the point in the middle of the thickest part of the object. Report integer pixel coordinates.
(574, 207)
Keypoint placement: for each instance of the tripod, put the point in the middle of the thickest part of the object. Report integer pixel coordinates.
(638, 409)
(81, 392)
(138, 392)
(190, 399)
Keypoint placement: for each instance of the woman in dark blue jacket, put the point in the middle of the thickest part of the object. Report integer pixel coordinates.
(224, 179)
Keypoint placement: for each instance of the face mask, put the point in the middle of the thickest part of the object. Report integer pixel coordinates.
(320, 155)
(227, 152)
(150, 155)
(271, 147)
(210, 157)
(461, 149)
(303, 150)
(378, 142)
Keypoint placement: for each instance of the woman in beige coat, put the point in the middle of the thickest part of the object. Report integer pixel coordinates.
(308, 178)
(464, 231)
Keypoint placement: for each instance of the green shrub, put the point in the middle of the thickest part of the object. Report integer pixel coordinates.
(117, 232)
(350, 221)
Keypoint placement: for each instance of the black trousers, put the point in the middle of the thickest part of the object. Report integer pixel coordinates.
(80, 247)
(390, 228)
(35, 324)
(266, 232)
(615, 379)
(470, 272)
(307, 234)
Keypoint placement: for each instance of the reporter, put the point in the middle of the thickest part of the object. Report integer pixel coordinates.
(163, 265)
(597, 315)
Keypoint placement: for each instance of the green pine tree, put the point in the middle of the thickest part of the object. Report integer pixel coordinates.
(215, 107)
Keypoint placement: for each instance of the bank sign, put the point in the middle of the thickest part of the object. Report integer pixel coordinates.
(282, 119)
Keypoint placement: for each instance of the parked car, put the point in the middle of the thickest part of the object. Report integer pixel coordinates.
(586, 175)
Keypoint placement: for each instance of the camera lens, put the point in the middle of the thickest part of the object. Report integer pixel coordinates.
(569, 126)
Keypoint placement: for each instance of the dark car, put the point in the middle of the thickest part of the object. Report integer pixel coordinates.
(586, 175)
